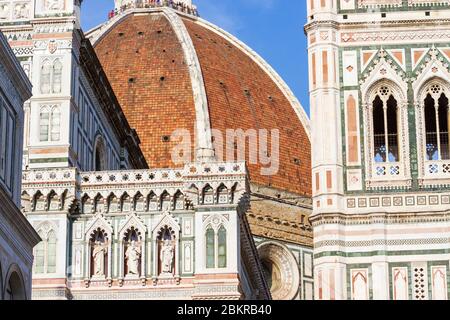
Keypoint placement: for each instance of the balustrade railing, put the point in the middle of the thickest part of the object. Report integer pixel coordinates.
(387, 170)
(177, 5)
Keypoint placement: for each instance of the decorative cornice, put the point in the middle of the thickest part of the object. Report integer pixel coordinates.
(379, 218)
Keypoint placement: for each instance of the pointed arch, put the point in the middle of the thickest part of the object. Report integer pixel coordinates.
(179, 200)
(125, 202)
(216, 241)
(57, 76)
(222, 194)
(99, 223)
(44, 124)
(46, 69)
(386, 137)
(51, 252)
(210, 247)
(15, 284)
(360, 285)
(139, 202)
(166, 236)
(55, 125)
(165, 201)
(113, 203)
(433, 127)
(133, 221)
(99, 203)
(152, 202)
(167, 222)
(100, 154)
(45, 252)
(222, 247)
(208, 194)
(39, 202)
(86, 205)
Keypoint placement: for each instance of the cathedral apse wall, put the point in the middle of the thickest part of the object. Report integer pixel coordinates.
(379, 107)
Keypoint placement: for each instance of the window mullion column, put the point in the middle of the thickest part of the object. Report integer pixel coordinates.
(50, 116)
(438, 129)
(45, 257)
(386, 131)
(448, 127)
(216, 249)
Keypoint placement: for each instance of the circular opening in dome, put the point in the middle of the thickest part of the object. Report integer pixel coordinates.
(165, 138)
(120, 34)
(162, 78)
(140, 33)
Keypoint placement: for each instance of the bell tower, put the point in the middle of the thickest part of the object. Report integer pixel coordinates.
(327, 162)
(379, 111)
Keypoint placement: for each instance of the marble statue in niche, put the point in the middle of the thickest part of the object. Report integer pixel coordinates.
(166, 257)
(99, 253)
(4, 11)
(133, 256)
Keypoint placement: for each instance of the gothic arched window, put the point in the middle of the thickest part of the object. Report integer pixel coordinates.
(46, 69)
(57, 76)
(385, 127)
(51, 252)
(45, 253)
(210, 248)
(49, 124)
(55, 124)
(39, 255)
(222, 247)
(44, 124)
(51, 76)
(99, 154)
(437, 124)
(216, 247)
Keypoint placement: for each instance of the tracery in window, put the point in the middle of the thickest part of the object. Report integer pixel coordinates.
(216, 247)
(50, 124)
(45, 253)
(437, 118)
(385, 127)
(51, 76)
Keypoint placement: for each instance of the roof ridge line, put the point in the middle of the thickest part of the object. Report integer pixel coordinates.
(203, 139)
